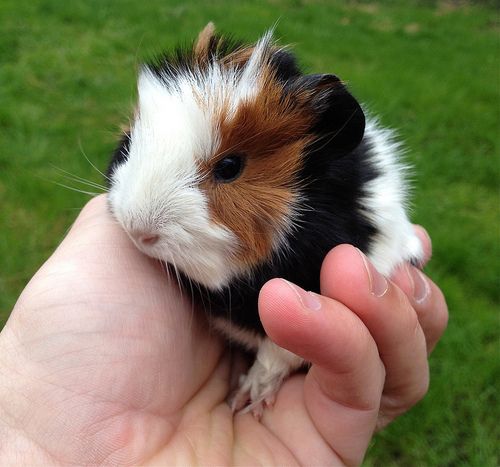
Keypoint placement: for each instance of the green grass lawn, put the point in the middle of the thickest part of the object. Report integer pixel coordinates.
(67, 81)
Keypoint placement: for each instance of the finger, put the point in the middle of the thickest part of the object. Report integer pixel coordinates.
(343, 388)
(425, 240)
(347, 276)
(94, 221)
(426, 299)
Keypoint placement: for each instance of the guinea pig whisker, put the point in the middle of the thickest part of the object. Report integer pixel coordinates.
(183, 290)
(89, 184)
(206, 306)
(78, 179)
(91, 163)
(177, 276)
(191, 317)
(90, 193)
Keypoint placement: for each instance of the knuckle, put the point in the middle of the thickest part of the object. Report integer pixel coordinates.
(439, 315)
(412, 393)
(443, 314)
(419, 391)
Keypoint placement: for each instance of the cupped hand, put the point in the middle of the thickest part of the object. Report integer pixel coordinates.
(104, 361)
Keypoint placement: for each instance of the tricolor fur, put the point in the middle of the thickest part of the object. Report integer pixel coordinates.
(313, 175)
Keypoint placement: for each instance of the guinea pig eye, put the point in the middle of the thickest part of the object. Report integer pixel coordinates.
(229, 168)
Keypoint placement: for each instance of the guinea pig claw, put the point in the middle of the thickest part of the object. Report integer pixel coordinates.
(269, 400)
(242, 403)
(258, 411)
(239, 401)
(255, 408)
(258, 407)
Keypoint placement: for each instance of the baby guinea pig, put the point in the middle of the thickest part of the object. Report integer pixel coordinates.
(239, 168)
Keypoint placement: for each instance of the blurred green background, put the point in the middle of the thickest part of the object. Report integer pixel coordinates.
(429, 69)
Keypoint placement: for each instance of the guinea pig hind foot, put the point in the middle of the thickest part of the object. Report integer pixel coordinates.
(263, 397)
(259, 387)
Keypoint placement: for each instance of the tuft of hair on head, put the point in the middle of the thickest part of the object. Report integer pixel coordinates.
(213, 47)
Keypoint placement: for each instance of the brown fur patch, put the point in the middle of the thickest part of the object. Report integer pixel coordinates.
(271, 131)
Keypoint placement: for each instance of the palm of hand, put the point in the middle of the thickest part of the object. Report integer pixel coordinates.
(103, 361)
(120, 369)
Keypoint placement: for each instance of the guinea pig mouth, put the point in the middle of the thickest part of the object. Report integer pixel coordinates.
(208, 267)
(144, 239)
(147, 242)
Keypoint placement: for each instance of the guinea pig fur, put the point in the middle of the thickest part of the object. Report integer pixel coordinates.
(239, 168)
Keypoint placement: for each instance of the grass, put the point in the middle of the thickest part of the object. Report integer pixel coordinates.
(67, 81)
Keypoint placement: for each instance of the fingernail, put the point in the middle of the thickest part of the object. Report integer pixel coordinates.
(425, 234)
(404, 268)
(308, 300)
(421, 287)
(378, 283)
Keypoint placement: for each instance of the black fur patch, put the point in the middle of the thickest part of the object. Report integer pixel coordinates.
(119, 156)
(169, 66)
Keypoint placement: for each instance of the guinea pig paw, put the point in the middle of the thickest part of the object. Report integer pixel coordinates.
(269, 400)
(239, 400)
(257, 408)
(258, 389)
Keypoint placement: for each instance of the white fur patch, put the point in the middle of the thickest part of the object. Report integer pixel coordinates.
(156, 189)
(385, 203)
(249, 339)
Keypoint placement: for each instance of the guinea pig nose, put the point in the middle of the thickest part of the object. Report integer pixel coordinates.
(148, 239)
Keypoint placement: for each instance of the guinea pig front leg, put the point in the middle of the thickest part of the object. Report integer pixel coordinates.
(260, 385)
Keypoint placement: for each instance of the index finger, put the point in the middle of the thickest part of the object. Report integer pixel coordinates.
(347, 276)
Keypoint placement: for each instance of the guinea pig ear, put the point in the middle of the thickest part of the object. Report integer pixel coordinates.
(339, 117)
(205, 41)
(284, 64)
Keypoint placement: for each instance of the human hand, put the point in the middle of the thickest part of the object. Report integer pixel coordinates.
(103, 361)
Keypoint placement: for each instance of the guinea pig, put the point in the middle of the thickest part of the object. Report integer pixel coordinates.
(239, 168)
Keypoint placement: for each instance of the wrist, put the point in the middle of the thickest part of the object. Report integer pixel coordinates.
(16, 447)
(17, 450)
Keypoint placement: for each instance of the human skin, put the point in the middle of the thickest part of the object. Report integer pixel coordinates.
(104, 361)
